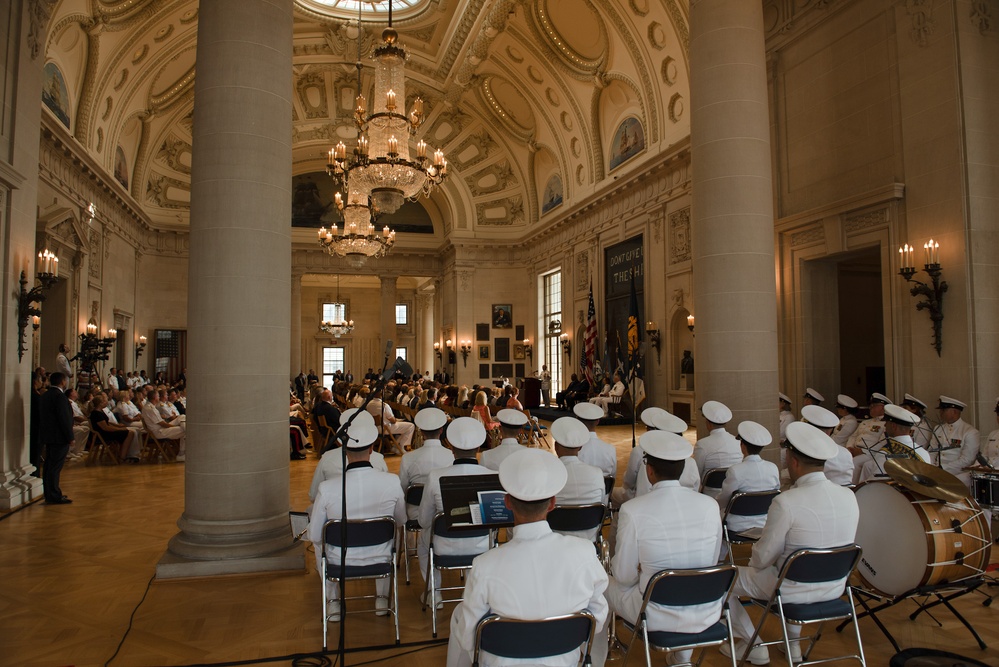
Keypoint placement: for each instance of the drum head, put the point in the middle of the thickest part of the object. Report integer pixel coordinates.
(892, 536)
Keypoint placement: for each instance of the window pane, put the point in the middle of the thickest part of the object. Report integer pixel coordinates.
(401, 352)
(401, 314)
(334, 312)
(332, 362)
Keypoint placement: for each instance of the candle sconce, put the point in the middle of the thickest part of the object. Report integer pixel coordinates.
(466, 349)
(26, 299)
(566, 344)
(932, 293)
(452, 358)
(654, 338)
(528, 349)
(437, 351)
(690, 323)
(139, 348)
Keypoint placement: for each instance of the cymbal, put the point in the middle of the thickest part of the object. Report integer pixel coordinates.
(926, 479)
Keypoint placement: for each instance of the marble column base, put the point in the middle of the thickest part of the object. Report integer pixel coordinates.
(172, 566)
(20, 487)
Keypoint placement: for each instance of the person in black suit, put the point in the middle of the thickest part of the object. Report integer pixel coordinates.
(312, 377)
(572, 388)
(300, 385)
(431, 401)
(56, 436)
(325, 408)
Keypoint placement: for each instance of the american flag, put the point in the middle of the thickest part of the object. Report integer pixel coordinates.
(590, 341)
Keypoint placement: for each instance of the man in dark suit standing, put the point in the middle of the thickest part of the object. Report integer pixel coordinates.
(56, 436)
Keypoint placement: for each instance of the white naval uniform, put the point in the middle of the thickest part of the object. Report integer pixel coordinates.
(922, 434)
(990, 450)
(669, 527)
(494, 457)
(81, 431)
(152, 418)
(719, 449)
(615, 393)
(416, 465)
(964, 438)
(584, 485)
(636, 478)
(875, 465)
(370, 493)
(844, 429)
(601, 454)
(331, 465)
(432, 504)
(786, 417)
(813, 513)
(529, 578)
(752, 474)
(868, 434)
(839, 469)
(402, 430)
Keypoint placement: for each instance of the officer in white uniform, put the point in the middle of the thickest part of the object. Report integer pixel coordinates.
(899, 423)
(584, 483)
(990, 450)
(786, 416)
(958, 438)
(511, 422)
(752, 474)
(370, 493)
(465, 436)
(331, 463)
(840, 468)
(814, 513)
(812, 397)
(402, 430)
(870, 432)
(596, 452)
(636, 481)
(537, 574)
(415, 466)
(847, 422)
(669, 527)
(719, 449)
(922, 435)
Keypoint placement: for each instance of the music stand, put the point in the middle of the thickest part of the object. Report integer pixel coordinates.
(462, 495)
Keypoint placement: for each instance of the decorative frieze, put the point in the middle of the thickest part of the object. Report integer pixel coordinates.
(679, 236)
(863, 221)
(814, 234)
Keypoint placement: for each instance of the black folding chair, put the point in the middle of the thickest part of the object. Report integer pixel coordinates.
(812, 566)
(414, 494)
(745, 504)
(442, 562)
(578, 518)
(361, 533)
(531, 640)
(713, 479)
(684, 588)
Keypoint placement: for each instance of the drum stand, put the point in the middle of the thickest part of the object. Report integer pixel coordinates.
(943, 594)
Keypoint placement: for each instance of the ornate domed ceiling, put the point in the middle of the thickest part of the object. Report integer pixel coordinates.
(536, 104)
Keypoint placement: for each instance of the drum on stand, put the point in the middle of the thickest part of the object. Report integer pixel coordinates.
(985, 488)
(912, 540)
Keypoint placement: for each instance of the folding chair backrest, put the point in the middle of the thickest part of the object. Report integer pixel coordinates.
(809, 566)
(361, 532)
(683, 588)
(714, 478)
(576, 517)
(751, 503)
(441, 530)
(414, 494)
(534, 639)
(608, 484)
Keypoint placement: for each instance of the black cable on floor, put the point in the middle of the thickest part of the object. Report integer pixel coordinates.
(130, 619)
(319, 659)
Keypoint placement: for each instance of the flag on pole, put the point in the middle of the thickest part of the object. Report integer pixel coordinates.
(635, 348)
(590, 340)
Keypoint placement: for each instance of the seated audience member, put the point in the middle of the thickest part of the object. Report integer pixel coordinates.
(584, 483)
(719, 449)
(898, 443)
(416, 465)
(513, 400)
(331, 462)
(636, 480)
(481, 411)
(173, 396)
(596, 452)
(538, 573)
(81, 425)
(403, 430)
(512, 423)
(613, 395)
(752, 474)
(112, 432)
(162, 429)
(324, 408)
(838, 469)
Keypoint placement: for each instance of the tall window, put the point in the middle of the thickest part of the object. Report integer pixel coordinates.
(334, 312)
(552, 325)
(401, 352)
(332, 362)
(401, 314)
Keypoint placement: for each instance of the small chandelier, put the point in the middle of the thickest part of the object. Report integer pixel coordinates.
(338, 326)
(380, 165)
(359, 239)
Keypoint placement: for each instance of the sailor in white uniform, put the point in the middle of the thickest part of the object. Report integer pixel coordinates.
(786, 416)
(331, 463)
(636, 481)
(584, 483)
(922, 435)
(511, 424)
(840, 468)
(899, 423)
(990, 450)
(719, 449)
(958, 438)
(415, 466)
(751, 474)
(845, 406)
(596, 452)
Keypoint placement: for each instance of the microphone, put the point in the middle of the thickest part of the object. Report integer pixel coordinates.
(389, 348)
(984, 461)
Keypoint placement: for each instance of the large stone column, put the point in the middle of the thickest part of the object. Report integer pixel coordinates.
(388, 301)
(296, 323)
(236, 482)
(732, 230)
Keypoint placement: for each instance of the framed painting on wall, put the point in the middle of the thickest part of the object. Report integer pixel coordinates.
(502, 351)
(482, 332)
(484, 352)
(502, 316)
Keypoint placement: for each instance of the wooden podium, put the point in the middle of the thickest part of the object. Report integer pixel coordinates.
(531, 393)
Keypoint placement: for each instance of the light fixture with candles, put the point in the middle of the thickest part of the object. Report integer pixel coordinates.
(932, 302)
(94, 349)
(566, 344)
(380, 166)
(451, 357)
(653, 331)
(466, 349)
(690, 323)
(528, 349)
(338, 325)
(437, 351)
(47, 276)
(139, 348)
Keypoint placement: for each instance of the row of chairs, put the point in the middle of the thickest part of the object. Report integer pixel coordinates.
(153, 449)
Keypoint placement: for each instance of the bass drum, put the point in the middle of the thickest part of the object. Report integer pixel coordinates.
(909, 540)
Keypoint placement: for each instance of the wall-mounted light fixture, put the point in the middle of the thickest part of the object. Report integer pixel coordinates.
(451, 357)
(139, 348)
(437, 351)
(933, 294)
(48, 275)
(528, 349)
(690, 323)
(566, 344)
(654, 340)
(466, 349)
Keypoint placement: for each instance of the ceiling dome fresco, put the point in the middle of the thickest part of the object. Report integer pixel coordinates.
(575, 30)
(347, 9)
(507, 102)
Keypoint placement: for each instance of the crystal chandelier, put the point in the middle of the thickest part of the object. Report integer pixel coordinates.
(380, 166)
(338, 326)
(359, 239)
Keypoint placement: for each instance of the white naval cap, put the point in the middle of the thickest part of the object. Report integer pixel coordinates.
(466, 433)
(877, 397)
(665, 445)
(716, 412)
(532, 474)
(588, 411)
(361, 435)
(819, 416)
(784, 397)
(364, 417)
(845, 401)
(570, 432)
(430, 419)
(912, 400)
(661, 420)
(900, 415)
(948, 402)
(754, 434)
(810, 441)
(511, 418)
(814, 395)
